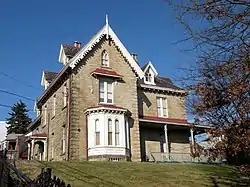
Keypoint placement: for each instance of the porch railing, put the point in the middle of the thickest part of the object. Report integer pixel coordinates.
(181, 157)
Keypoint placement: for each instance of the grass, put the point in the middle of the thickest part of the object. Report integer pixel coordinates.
(80, 174)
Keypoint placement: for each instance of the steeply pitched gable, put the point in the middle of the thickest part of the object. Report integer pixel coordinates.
(107, 32)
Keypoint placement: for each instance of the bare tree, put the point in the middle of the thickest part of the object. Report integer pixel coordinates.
(219, 83)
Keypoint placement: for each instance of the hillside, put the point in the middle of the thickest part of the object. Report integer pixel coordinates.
(108, 174)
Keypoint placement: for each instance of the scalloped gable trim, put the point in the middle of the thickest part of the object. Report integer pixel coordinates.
(108, 32)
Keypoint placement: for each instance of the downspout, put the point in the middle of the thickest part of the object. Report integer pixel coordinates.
(68, 111)
(86, 137)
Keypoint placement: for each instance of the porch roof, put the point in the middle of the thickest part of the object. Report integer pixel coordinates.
(173, 121)
(153, 119)
(37, 136)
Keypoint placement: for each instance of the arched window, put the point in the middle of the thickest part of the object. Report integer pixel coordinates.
(110, 132)
(105, 59)
(97, 132)
(117, 132)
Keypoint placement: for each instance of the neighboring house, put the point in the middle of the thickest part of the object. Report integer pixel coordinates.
(103, 106)
(15, 146)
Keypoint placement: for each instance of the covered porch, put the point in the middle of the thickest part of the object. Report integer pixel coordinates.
(37, 147)
(165, 139)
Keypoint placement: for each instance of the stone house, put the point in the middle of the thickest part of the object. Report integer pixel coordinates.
(103, 106)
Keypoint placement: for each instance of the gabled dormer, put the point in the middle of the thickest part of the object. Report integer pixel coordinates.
(47, 78)
(149, 73)
(68, 51)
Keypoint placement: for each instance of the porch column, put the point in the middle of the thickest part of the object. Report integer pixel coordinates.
(166, 140)
(192, 136)
(28, 151)
(32, 149)
(44, 150)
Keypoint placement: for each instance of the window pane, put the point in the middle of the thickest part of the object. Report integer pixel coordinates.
(101, 86)
(159, 111)
(158, 102)
(164, 102)
(109, 87)
(164, 112)
(117, 126)
(101, 96)
(109, 125)
(110, 138)
(117, 139)
(97, 138)
(97, 126)
(110, 98)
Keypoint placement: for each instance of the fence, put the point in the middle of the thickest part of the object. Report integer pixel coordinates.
(181, 158)
(10, 176)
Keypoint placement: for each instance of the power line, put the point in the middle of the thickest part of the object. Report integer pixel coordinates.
(21, 82)
(11, 93)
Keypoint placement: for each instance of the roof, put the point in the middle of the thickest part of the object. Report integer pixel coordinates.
(70, 50)
(50, 76)
(162, 82)
(106, 72)
(164, 120)
(12, 136)
(107, 32)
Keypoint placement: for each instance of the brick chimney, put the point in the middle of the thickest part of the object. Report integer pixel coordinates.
(77, 44)
(134, 57)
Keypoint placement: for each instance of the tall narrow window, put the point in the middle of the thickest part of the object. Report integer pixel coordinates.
(54, 105)
(63, 140)
(117, 132)
(110, 132)
(52, 149)
(65, 95)
(106, 92)
(97, 132)
(162, 107)
(105, 59)
(45, 115)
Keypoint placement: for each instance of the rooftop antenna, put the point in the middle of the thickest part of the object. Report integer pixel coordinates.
(107, 27)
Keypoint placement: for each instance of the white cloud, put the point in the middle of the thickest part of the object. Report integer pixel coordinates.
(3, 130)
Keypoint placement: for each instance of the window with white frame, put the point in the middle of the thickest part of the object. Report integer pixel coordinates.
(65, 95)
(117, 132)
(54, 105)
(63, 139)
(97, 132)
(149, 76)
(106, 92)
(105, 59)
(110, 132)
(162, 107)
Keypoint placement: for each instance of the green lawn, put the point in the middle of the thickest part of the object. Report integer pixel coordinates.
(80, 174)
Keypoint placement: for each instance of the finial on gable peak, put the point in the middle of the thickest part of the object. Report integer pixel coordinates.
(107, 27)
(107, 19)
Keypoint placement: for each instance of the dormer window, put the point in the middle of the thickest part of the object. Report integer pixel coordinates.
(148, 77)
(105, 59)
(150, 73)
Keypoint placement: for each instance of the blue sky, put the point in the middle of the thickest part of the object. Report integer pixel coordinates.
(32, 31)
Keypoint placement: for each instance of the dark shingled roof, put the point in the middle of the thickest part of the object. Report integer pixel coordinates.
(50, 76)
(70, 50)
(163, 82)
